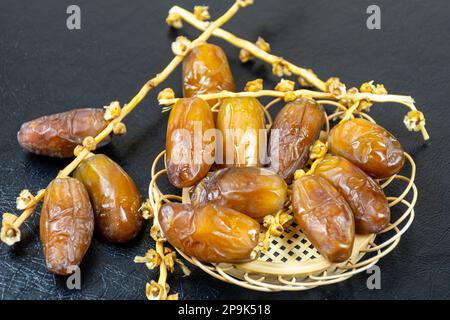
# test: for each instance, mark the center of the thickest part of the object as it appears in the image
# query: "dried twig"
(406, 100)
(414, 120)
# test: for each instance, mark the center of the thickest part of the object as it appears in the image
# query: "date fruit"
(256, 192)
(241, 123)
(367, 145)
(324, 216)
(58, 134)
(66, 225)
(189, 155)
(294, 130)
(206, 70)
(364, 195)
(209, 233)
(114, 196)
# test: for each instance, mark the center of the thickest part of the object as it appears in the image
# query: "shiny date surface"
(114, 196)
(209, 233)
(367, 145)
(364, 195)
(206, 70)
(189, 155)
(324, 216)
(294, 130)
(58, 134)
(241, 124)
(66, 225)
(256, 192)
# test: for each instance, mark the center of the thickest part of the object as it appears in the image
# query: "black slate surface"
(45, 68)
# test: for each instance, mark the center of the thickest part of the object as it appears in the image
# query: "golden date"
(364, 195)
(114, 196)
(294, 130)
(206, 70)
(189, 155)
(368, 146)
(66, 225)
(241, 123)
(256, 192)
(324, 216)
(58, 134)
(209, 233)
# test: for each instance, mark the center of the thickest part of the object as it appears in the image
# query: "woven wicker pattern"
(291, 245)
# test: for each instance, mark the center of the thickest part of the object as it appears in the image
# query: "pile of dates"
(100, 195)
(236, 175)
(218, 156)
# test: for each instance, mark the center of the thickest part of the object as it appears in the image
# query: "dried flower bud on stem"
(167, 93)
(263, 44)
(119, 129)
(10, 233)
(181, 46)
(414, 120)
(254, 86)
(202, 13)
(24, 199)
(174, 20)
(112, 111)
(285, 85)
(336, 87)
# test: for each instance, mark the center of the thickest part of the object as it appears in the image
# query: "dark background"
(45, 68)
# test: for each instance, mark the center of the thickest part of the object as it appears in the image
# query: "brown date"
(58, 134)
(241, 123)
(294, 130)
(256, 192)
(66, 225)
(324, 216)
(367, 145)
(187, 161)
(206, 70)
(209, 233)
(364, 195)
(114, 196)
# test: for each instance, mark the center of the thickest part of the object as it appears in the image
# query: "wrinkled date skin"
(364, 195)
(206, 70)
(57, 135)
(114, 196)
(256, 192)
(368, 146)
(240, 121)
(66, 225)
(209, 233)
(294, 130)
(187, 162)
(324, 216)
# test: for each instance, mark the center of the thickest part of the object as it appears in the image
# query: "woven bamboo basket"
(291, 262)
